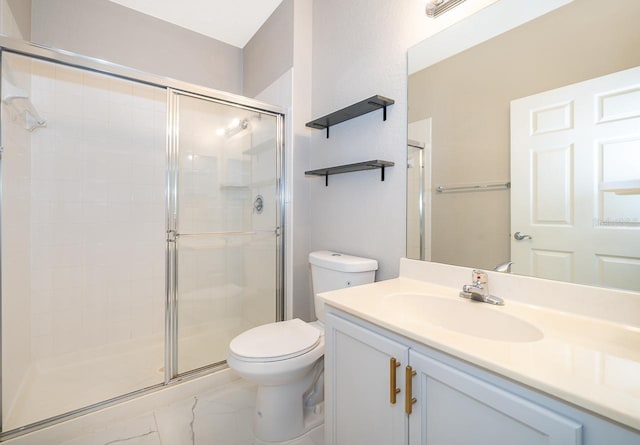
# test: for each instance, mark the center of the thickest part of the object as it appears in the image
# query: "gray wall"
(269, 53)
(277, 69)
(360, 49)
(105, 30)
(16, 18)
(298, 149)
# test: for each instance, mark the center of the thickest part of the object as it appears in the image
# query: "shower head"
(18, 99)
(236, 127)
(437, 7)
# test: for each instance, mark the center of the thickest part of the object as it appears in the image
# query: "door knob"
(258, 204)
(520, 236)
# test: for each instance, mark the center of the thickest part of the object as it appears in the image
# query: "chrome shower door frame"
(171, 86)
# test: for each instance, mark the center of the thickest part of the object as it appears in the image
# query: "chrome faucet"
(504, 267)
(479, 289)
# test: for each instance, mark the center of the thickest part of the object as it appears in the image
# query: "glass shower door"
(83, 234)
(225, 225)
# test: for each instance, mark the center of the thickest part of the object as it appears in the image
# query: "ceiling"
(231, 21)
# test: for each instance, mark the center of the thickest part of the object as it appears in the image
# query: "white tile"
(98, 83)
(69, 104)
(93, 124)
(42, 347)
(120, 91)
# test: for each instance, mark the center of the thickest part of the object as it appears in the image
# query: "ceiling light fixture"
(437, 7)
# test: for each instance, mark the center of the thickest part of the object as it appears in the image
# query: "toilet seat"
(275, 341)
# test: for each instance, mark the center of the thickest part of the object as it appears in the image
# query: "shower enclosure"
(141, 224)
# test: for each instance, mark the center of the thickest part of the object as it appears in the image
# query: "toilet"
(286, 359)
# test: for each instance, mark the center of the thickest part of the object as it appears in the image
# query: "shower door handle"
(220, 234)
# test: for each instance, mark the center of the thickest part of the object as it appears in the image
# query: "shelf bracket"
(384, 118)
(326, 177)
(382, 173)
(328, 131)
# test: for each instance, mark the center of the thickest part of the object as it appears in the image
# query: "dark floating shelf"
(348, 168)
(358, 109)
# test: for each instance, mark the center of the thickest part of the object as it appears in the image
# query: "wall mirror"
(524, 142)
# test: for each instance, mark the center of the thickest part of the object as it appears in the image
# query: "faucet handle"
(479, 290)
(479, 277)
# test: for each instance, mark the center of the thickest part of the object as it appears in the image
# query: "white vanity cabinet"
(453, 407)
(359, 384)
(441, 400)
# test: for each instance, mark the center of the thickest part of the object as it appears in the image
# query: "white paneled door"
(575, 198)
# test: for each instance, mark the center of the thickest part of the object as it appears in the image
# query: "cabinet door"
(358, 386)
(455, 408)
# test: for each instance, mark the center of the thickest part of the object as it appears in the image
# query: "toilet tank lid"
(341, 262)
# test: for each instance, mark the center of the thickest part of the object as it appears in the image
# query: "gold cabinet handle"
(409, 400)
(393, 390)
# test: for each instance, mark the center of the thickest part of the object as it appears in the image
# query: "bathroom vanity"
(409, 362)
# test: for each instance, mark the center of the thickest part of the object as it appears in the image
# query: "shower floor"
(81, 379)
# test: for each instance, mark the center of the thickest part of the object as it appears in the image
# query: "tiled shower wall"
(97, 211)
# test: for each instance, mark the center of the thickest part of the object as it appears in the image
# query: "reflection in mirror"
(533, 140)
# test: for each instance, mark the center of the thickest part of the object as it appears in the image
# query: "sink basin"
(464, 316)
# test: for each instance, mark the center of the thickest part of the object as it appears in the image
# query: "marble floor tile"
(139, 431)
(316, 435)
(313, 437)
(220, 416)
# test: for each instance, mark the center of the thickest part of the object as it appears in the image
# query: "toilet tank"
(333, 270)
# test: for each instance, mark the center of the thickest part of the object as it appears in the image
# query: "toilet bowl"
(286, 359)
(288, 372)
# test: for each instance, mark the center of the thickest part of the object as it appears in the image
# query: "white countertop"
(592, 363)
